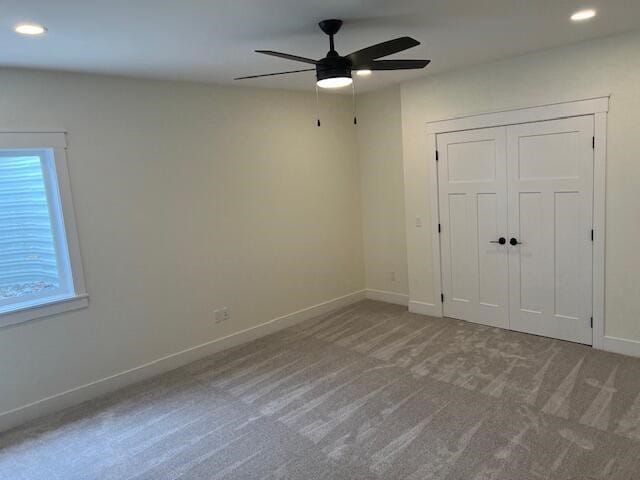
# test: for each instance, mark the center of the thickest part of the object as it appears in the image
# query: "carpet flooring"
(367, 392)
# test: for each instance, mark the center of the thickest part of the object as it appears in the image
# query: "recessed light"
(32, 29)
(583, 15)
(363, 73)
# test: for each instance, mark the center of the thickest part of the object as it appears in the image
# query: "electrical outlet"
(392, 276)
(221, 315)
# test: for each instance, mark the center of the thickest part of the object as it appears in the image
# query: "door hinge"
(593, 142)
(592, 234)
(591, 322)
(437, 156)
(442, 297)
(439, 228)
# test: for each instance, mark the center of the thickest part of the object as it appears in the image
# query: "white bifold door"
(516, 210)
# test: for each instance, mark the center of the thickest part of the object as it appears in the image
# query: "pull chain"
(353, 92)
(317, 105)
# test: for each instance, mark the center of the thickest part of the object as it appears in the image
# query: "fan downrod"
(331, 27)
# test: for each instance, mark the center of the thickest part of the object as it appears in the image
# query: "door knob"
(501, 241)
(514, 241)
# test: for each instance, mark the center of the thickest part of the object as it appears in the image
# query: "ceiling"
(213, 40)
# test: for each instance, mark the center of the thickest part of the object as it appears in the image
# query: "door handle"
(514, 241)
(501, 241)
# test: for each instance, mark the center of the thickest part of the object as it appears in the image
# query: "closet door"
(473, 216)
(550, 170)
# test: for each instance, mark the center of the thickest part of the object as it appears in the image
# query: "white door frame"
(598, 107)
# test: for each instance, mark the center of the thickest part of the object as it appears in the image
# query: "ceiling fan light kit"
(335, 82)
(334, 70)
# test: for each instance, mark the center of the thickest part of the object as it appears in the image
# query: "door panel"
(473, 212)
(550, 184)
(533, 273)
(489, 270)
(461, 256)
(568, 233)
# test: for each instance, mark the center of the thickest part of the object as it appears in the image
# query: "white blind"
(27, 248)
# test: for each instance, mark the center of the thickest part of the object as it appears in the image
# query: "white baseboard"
(389, 297)
(424, 308)
(20, 415)
(621, 345)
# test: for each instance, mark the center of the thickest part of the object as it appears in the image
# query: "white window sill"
(48, 306)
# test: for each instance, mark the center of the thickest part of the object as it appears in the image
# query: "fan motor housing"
(332, 67)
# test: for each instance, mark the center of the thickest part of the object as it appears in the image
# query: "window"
(40, 271)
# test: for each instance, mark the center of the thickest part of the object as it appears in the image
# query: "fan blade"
(382, 50)
(295, 58)
(395, 65)
(277, 73)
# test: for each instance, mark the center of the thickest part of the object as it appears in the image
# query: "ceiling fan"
(334, 70)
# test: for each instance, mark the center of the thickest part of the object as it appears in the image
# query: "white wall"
(590, 69)
(380, 152)
(188, 198)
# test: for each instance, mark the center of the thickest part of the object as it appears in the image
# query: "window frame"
(51, 147)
